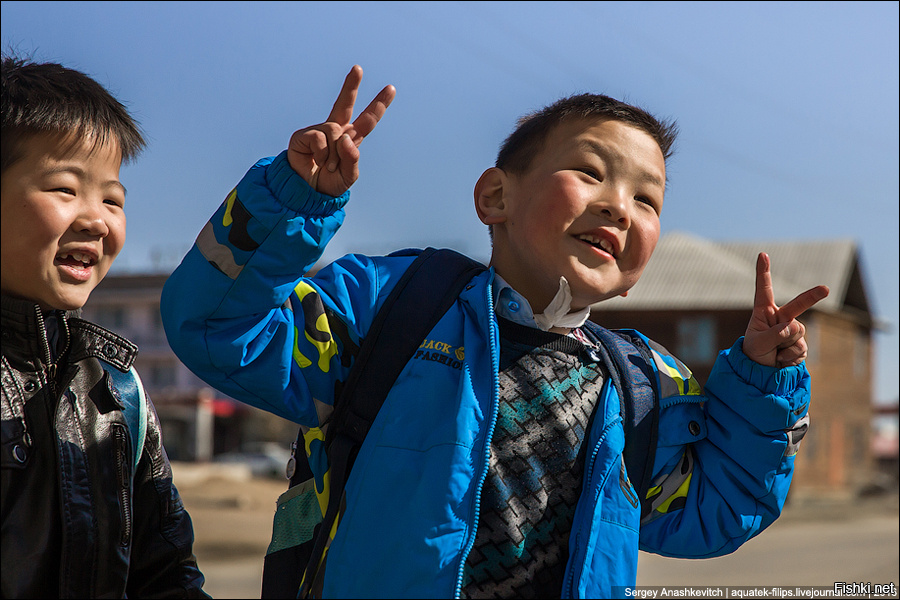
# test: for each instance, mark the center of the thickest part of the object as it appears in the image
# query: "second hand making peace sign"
(774, 337)
(327, 155)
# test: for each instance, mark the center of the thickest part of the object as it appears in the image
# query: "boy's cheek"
(116, 240)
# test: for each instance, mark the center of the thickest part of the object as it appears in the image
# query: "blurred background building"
(199, 423)
(694, 298)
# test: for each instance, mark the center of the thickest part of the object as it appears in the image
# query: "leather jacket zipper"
(123, 481)
(50, 367)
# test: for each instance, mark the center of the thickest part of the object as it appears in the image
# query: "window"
(860, 354)
(162, 375)
(157, 317)
(157, 333)
(112, 317)
(812, 341)
(697, 340)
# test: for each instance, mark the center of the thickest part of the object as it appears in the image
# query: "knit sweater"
(548, 390)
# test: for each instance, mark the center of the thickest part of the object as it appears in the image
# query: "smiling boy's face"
(63, 220)
(587, 209)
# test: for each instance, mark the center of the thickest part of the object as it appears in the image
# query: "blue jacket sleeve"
(725, 459)
(241, 316)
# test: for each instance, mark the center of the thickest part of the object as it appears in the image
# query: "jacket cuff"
(296, 194)
(788, 389)
(771, 380)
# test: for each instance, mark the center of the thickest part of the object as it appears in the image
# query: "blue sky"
(788, 110)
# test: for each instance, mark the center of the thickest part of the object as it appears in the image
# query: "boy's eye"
(591, 173)
(65, 191)
(112, 202)
(647, 201)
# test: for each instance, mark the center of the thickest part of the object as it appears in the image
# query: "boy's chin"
(65, 302)
(63, 306)
(592, 287)
(594, 297)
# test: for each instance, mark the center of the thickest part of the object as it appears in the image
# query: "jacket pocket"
(681, 423)
(294, 527)
(16, 445)
(603, 554)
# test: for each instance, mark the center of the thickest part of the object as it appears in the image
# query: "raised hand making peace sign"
(774, 337)
(327, 155)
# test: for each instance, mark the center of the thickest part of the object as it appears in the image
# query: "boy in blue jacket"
(498, 472)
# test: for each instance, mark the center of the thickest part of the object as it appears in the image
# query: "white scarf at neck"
(557, 312)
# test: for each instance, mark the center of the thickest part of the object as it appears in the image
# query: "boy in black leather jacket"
(88, 505)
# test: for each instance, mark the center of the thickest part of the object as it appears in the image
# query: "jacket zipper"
(122, 475)
(49, 367)
(487, 448)
(567, 591)
(47, 364)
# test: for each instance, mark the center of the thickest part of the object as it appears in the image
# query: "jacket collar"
(24, 330)
(513, 306)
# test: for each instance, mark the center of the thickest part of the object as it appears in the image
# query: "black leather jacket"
(78, 520)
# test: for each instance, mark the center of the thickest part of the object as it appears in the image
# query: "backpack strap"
(425, 291)
(129, 390)
(629, 363)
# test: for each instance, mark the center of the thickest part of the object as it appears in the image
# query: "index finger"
(802, 303)
(368, 119)
(342, 111)
(765, 296)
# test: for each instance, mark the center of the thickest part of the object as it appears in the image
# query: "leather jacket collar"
(25, 336)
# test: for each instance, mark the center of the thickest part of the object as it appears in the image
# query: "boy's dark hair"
(50, 98)
(533, 129)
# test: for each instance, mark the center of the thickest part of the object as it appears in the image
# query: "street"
(806, 547)
(792, 553)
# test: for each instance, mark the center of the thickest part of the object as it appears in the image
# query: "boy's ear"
(490, 201)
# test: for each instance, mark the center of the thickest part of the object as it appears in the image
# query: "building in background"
(696, 296)
(198, 422)
(886, 447)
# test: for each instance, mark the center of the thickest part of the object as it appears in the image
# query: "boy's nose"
(614, 206)
(90, 219)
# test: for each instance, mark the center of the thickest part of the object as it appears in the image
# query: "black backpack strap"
(423, 294)
(629, 363)
(420, 298)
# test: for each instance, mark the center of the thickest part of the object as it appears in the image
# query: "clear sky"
(788, 110)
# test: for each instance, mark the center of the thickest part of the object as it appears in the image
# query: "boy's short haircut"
(533, 129)
(50, 98)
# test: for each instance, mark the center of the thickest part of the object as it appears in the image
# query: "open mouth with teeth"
(597, 242)
(76, 260)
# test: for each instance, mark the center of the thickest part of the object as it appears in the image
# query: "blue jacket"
(240, 315)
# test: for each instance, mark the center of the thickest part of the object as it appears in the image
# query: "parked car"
(265, 459)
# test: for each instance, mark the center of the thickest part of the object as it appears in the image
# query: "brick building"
(696, 296)
(198, 422)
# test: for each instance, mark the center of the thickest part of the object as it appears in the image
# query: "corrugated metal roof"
(808, 264)
(688, 272)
